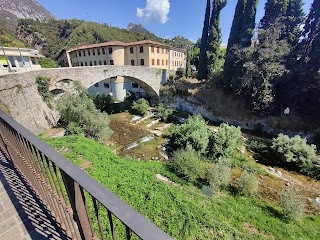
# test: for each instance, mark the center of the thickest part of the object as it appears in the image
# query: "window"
(152, 48)
(158, 49)
(141, 49)
(162, 62)
(132, 62)
(98, 50)
(110, 50)
(166, 62)
(85, 63)
(134, 85)
(166, 51)
(111, 62)
(93, 52)
(131, 49)
(84, 53)
(142, 62)
(162, 50)
(81, 64)
(152, 62)
(100, 62)
(158, 61)
(79, 54)
(103, 51)
(90, 63)
(95, 63)
(89, 53)
(105, 62)
(96, 84)
(106, 85)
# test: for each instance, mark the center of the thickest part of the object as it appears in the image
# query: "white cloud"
(156, 11)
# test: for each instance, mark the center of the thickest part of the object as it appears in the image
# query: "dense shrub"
(297, 152)
(48, 63)
(164, 112)
(73, 128)
(247, 184)
(261, 147)
(78, 110)
(180, 72)
(104, 102)
(194, 133)
(188, 163)
(292, 204)
(219, 176)
(225, 142)
(140, 107)
(43, 84)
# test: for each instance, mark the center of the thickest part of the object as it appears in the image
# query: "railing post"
(79, 208)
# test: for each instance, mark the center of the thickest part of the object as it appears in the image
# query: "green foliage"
(164, 112)
(141, 106)
(171, 91)
(103, 102)
(292, 204)
(180, 72)
(48, 63)
(203, 61)
(225, 142)
(261, 147)
(43, 84)
(247, 184)
(219, 176)
(78, 110)
(188, 163)
(73, 128)
(188, 213)
(297, 152)
(8, 37)
(194, 133)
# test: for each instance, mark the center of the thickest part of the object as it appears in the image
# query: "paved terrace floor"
(22, 216)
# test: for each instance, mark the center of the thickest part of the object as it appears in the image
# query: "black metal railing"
(84, 208)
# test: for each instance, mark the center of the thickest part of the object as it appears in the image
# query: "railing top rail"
(141, 226)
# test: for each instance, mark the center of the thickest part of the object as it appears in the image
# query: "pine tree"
(202, 67)
(214, 38)
(312, 39)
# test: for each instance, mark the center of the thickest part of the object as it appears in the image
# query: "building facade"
(142, 53)
(14, 59)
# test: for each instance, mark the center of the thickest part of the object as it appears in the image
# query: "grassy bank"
(182, 210)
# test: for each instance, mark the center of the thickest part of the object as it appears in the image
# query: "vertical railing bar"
(111, 225)
(128, 233)
(98, 217)
(63, 198)
(86, 209)
(60, 204)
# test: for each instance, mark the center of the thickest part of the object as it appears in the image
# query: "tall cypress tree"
(240, 36)
(273, 10)
(312, 39)
(214, 38)
(202, 67)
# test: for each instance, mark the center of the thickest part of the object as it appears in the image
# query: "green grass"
(182, 211)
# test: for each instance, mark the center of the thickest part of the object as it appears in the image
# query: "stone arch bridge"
(148, 78)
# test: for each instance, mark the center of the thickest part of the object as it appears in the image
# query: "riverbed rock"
(279, 173)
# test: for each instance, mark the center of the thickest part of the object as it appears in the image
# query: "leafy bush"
(261, 147)
(78, 110)
(140, 107)
(73, 128)
(292, 204)
(296, 151)
(48, 63)
(225, 142)
(43, 84)
(180, 72)
(104, 102)
(194, 133)
(188, 163)
(164, 112)
(219, 176)
(247, 184)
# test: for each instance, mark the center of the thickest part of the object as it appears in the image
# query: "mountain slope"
(12, 10)
(132, 27)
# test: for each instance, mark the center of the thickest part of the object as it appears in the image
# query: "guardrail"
(84, 208)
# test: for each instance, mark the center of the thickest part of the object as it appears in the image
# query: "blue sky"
(165, 18)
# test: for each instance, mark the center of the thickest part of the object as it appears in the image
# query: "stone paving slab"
(22, 216)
